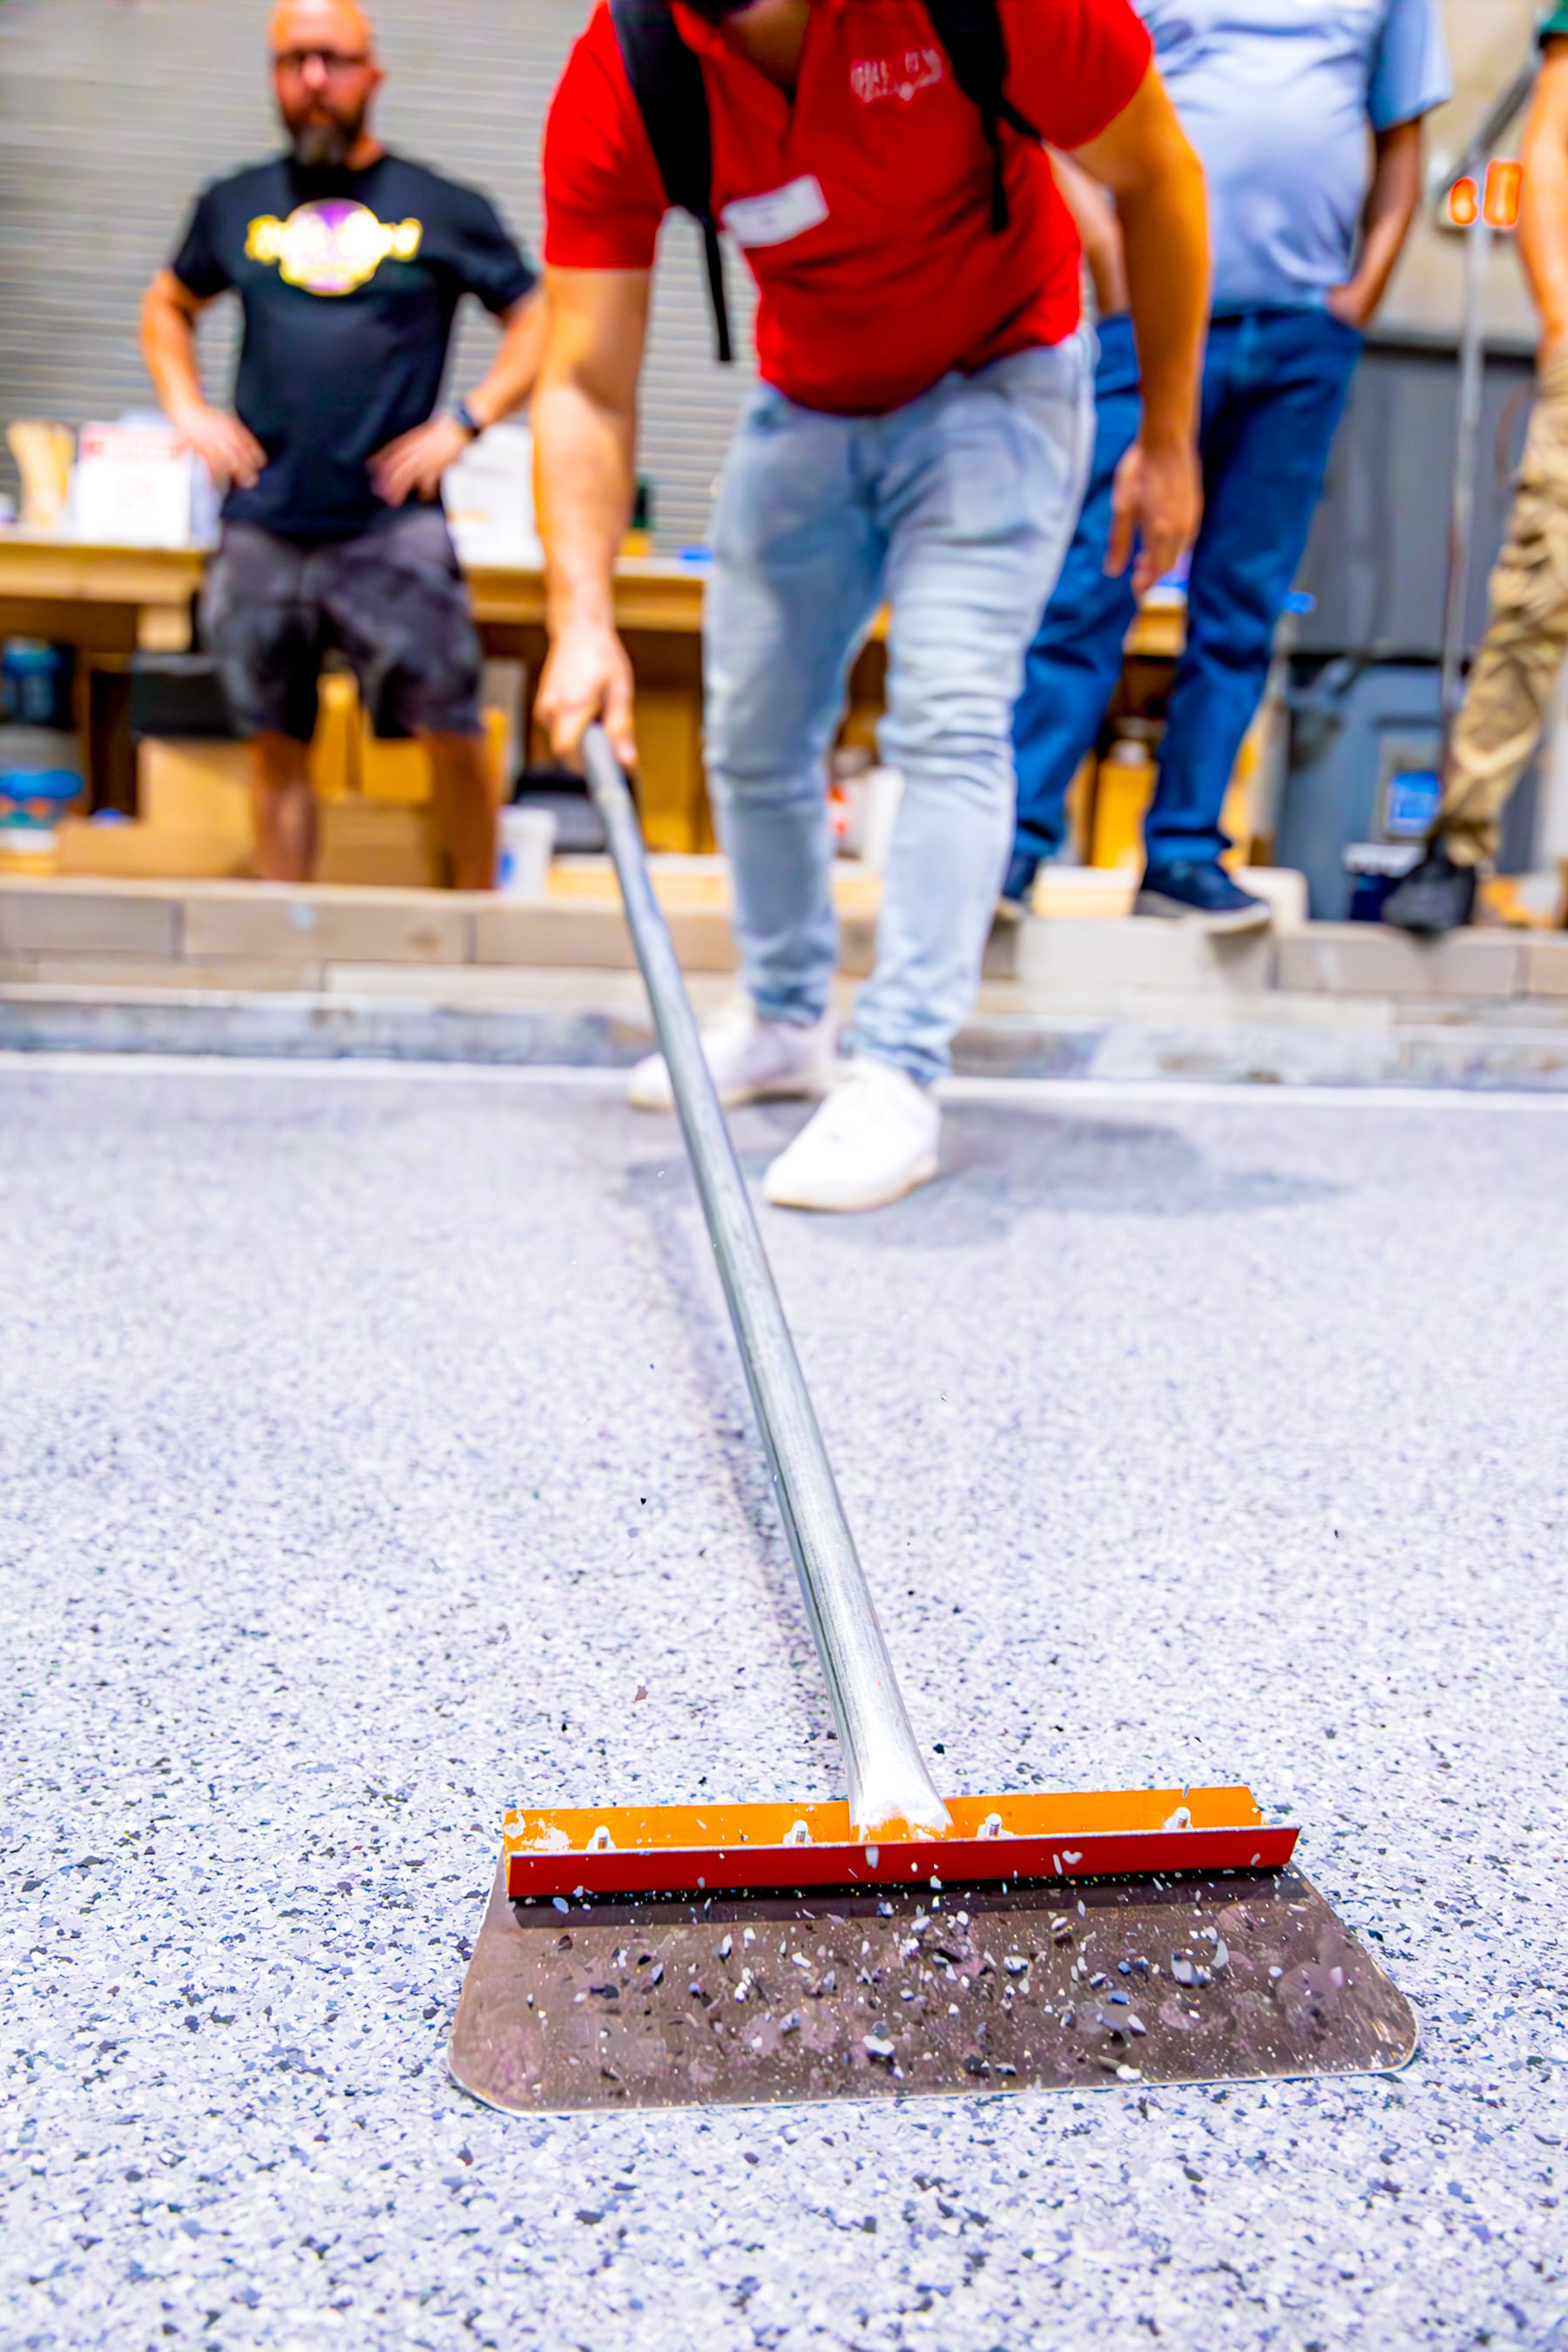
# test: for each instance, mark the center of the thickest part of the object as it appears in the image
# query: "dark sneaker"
(1017, 897)
(1436, 897)
(1204, 894)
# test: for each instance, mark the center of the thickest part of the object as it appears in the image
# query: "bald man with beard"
(349, 263)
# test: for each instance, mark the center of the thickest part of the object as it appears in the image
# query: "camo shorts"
(393, 602)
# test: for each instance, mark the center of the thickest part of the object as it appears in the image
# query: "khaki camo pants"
(1516, 670)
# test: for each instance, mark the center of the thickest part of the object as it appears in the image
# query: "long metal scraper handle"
(888, 1783)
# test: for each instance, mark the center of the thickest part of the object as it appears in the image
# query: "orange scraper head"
(694, 1849)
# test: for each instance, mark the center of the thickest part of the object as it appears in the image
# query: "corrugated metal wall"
(113, 111)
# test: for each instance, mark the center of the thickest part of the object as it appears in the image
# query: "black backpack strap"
(971, 32)
(666, 80)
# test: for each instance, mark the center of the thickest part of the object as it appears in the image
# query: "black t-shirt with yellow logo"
(350, 282)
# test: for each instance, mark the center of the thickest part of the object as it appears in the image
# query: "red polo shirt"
(864, 205)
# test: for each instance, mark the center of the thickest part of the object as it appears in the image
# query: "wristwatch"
(468, 420)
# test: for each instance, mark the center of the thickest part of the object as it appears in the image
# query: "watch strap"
(468, 420)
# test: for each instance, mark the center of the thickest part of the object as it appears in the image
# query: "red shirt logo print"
(871, 78)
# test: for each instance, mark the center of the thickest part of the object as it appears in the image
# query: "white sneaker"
(875, 1139)
(752, 1060)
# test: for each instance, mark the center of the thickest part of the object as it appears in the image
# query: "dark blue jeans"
(1275, 383)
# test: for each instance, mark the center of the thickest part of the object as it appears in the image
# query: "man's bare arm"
(508, 381)
(169, 315)
(1099, 234)
(585, 431)
(1390, 208)
(414, 464)
(1543, 214)
(1147, 161)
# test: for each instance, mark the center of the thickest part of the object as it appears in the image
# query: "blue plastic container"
(37, 795)
(36, 683)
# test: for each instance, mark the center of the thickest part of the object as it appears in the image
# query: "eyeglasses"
(332, 62)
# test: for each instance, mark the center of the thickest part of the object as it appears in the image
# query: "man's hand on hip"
(412, 465)
(1353, 304)
(1158, 502)
(228, 450)
(587, 677)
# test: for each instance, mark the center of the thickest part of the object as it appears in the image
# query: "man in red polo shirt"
(921, 436)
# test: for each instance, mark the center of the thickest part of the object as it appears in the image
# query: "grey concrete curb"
(1454, 1053)
(310, 1028)
(1267, 1053)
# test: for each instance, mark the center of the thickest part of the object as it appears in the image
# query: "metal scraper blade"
(793, 1997)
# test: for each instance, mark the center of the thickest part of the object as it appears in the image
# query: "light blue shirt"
(1278, 97)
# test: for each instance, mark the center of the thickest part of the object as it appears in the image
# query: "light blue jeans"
(957, 511)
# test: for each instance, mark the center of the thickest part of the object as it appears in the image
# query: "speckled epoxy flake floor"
(371, 1441)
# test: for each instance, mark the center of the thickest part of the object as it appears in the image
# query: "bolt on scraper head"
(712, 1849)
(748, 1954)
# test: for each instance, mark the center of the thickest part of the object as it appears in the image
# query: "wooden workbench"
(128, 599)
(125, 599)
(113, 602)
(100, 599)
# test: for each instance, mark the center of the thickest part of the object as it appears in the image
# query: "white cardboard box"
(132, 486)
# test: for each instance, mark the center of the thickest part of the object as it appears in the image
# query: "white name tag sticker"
(782, 214)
